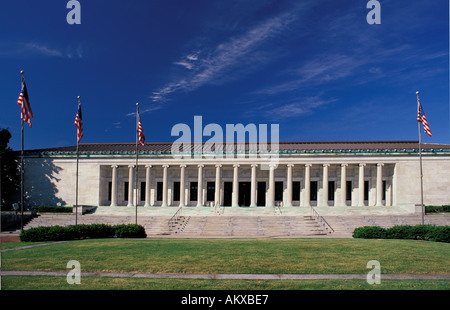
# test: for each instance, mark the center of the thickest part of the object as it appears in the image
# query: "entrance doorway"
(244, 194)
(227, 192)
(261, 197)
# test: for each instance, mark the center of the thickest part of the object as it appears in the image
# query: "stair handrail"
(218, 209)
(321, 218)
(174, 218)
(277, 208)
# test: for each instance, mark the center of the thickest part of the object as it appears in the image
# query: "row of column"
(235, 191)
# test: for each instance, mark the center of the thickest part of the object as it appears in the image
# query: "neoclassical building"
(326, 174)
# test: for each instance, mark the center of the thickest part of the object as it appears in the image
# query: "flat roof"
(283, 148)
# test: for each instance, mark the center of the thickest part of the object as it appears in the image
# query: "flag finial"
(417, 92)
(137, 103)
(78, 97)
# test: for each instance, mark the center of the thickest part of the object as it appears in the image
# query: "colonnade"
(270, 201)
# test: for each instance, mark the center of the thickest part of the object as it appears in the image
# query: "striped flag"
(141, 136)
(422, 118)
(79, 123)
(25, 111)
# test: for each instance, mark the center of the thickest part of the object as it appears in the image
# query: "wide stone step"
(236, 222)
(252, 226)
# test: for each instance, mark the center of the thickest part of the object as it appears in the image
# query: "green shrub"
(441, 234)
(129, 231)
(45, 233)
(437, 209)
(82, 231)
(52, 209)
(398, 232)
(369, 232)
(422, 232)
(418, 232)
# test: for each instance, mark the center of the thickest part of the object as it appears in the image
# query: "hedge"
(82, 231)
(437, 209)
(54, 209)
(129, 231)
(417, 232)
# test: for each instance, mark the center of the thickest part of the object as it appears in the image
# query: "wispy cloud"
(210, 66)
(297, 107)
(39, 49)
(153, 107)
(322, 69)
(188, 61)
(75, 52)
(43, 49)
(185, 64)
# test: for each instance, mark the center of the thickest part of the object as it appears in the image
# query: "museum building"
(294, 174)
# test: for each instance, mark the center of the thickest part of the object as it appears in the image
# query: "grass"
(235, 256)
(288, 256)
(93, 283)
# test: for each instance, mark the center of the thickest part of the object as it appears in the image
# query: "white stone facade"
(331, 178)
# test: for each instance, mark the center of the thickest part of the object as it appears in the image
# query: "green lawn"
(288, 256)
(106, 283)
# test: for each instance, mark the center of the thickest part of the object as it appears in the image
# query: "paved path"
(30, 246)
(232, 276)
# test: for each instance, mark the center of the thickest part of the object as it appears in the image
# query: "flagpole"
(21, 167)
(76, 183)
(420, 158)
(137, 143)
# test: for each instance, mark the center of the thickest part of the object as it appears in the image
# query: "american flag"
(422, 118)
(140, 132)
(79, 123)
(25, 111)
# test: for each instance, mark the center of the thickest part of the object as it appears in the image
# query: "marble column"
(253, 186)
(114, 186)
(147, 185)
(361, 185)
(343, 184)
(164, 193)
(217, 186)
(325, 185)
(182, 184)
(200, 186)
(235, 194)
(130, 185)
(271, 196)
(289, 186)
(307, 197)
(379, 185)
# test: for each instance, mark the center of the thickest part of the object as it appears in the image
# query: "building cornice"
(284, 149)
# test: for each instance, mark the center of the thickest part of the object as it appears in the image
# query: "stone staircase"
(210, 225)
(199, 226)
(249, 227)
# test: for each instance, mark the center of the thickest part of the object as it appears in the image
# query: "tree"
(9, 172)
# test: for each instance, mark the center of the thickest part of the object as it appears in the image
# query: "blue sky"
(316, 68)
